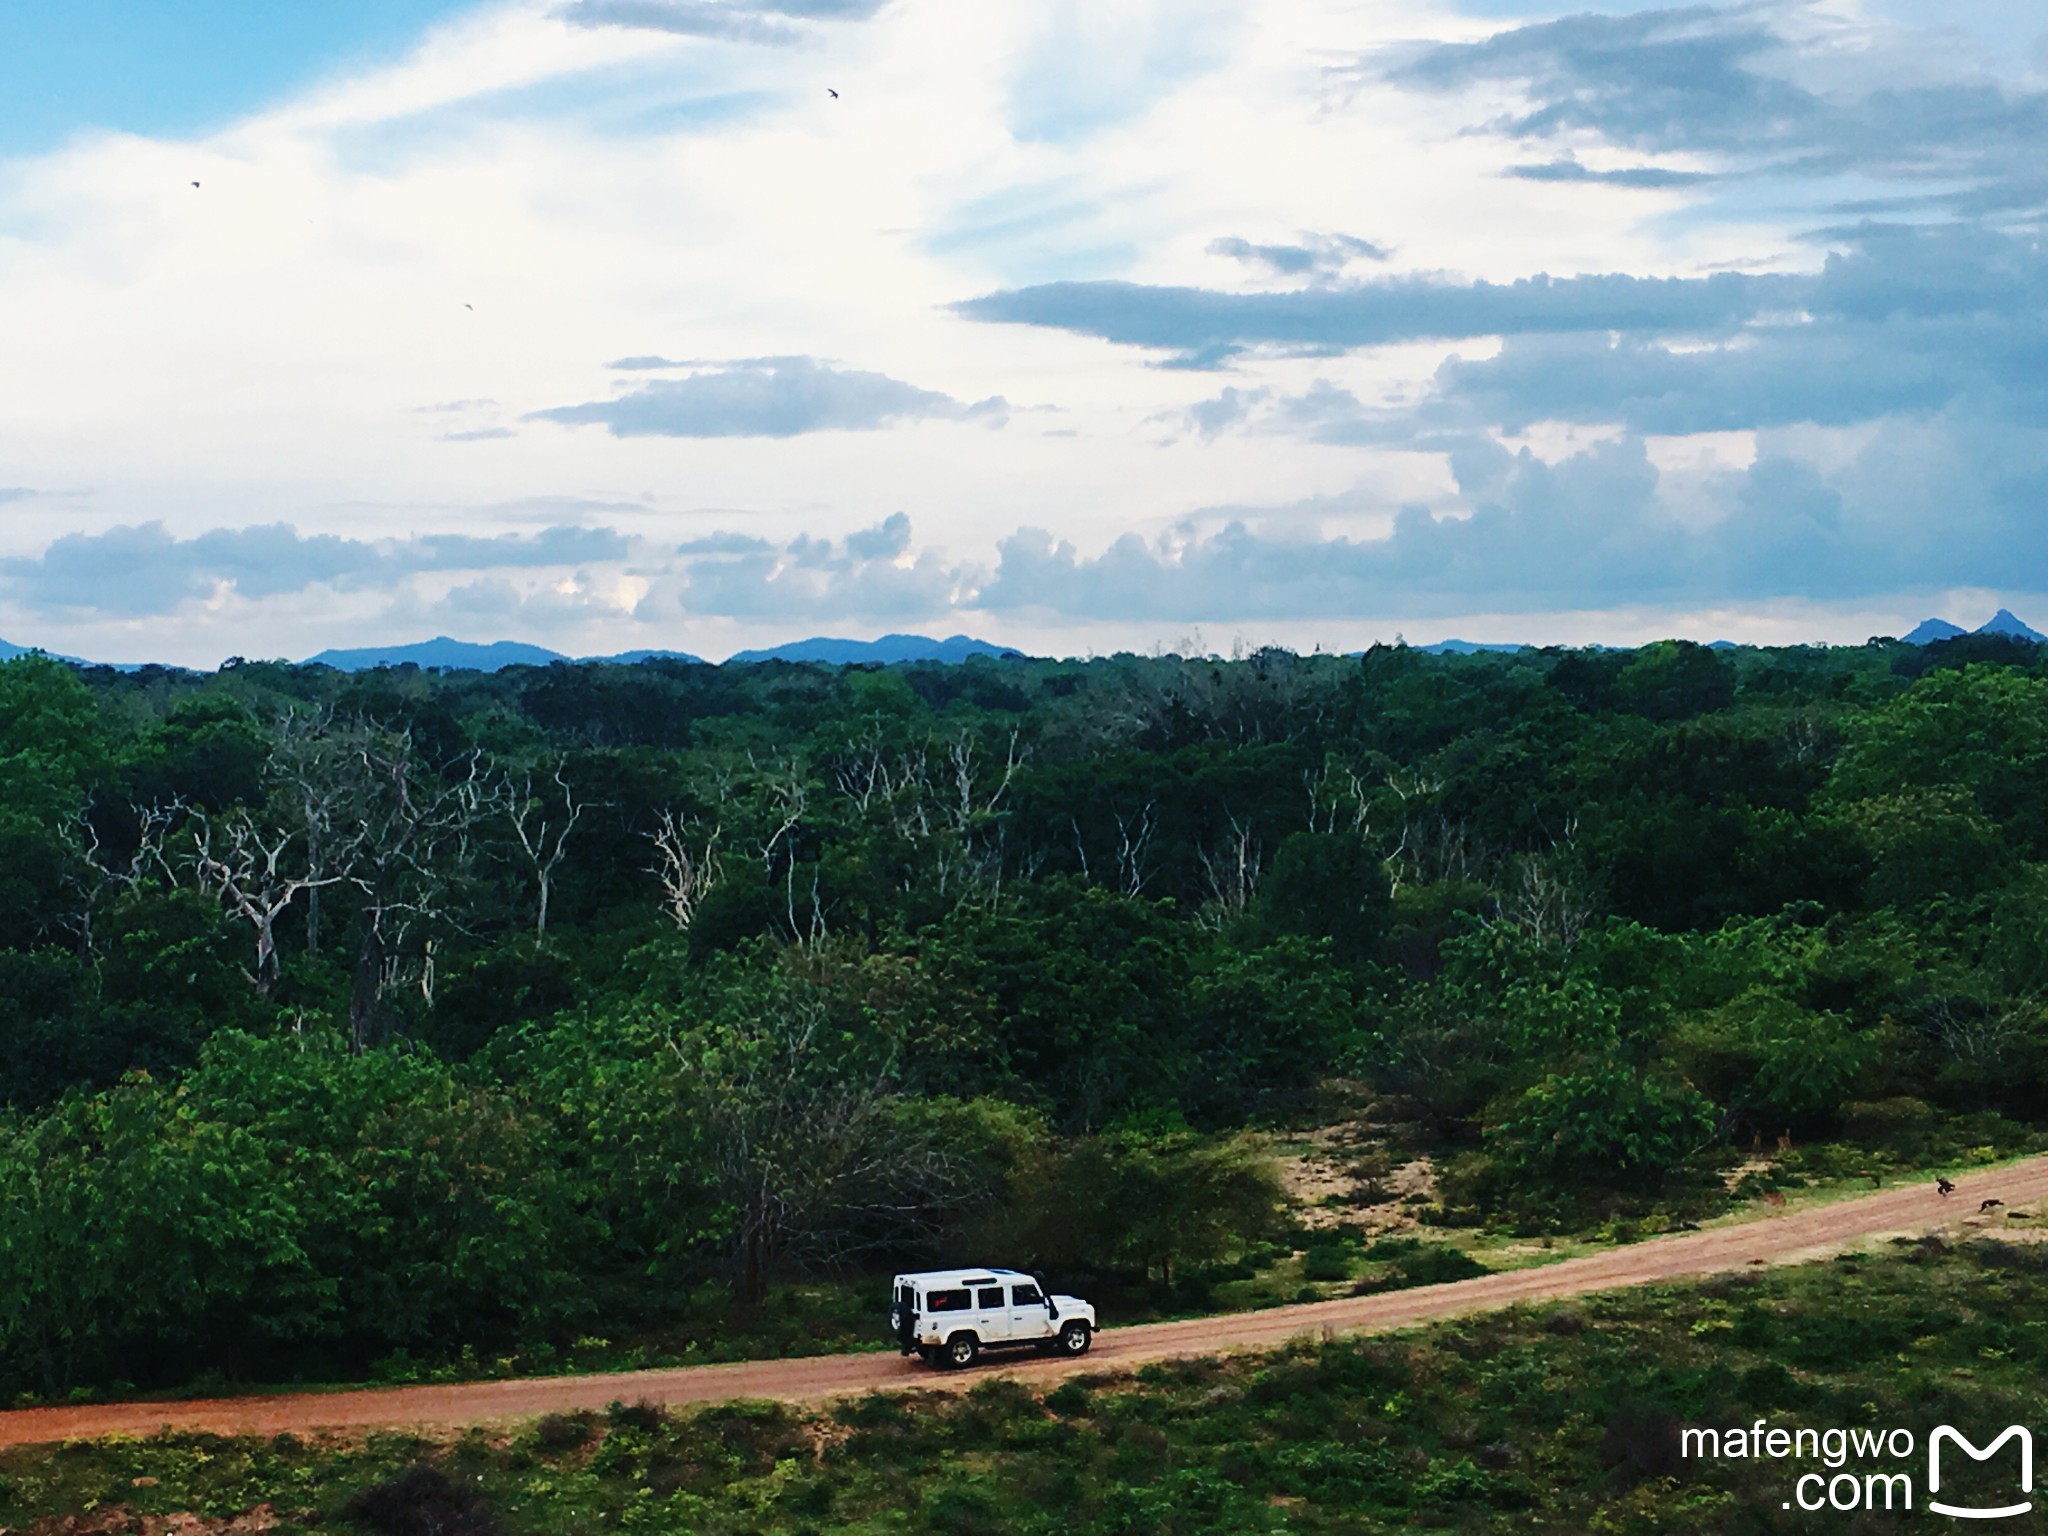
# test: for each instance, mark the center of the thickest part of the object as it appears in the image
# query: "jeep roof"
(948, 1279)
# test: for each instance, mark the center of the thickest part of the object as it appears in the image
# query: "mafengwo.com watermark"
(1852, 1470)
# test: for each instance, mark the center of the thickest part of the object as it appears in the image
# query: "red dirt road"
(1821, 1229)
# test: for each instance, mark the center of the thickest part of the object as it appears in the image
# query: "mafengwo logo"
(1872, 1469)
(1944, 1435)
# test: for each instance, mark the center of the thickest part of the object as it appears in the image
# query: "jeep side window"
(992, 1298)
(948, 1301)
(1025, 1296)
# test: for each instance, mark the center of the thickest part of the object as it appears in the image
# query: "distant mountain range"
(1470, 647)
(463, 655)
(468, 656)
(888, 649)
(453, 655)
(1927, 631)
(9, 652)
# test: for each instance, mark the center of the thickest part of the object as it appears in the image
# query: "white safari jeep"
(949, 1316)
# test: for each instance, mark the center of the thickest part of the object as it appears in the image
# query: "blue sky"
(135, 66)
(603, 324)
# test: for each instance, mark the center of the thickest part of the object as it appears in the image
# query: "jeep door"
(991, 1314)
(1027, 1315)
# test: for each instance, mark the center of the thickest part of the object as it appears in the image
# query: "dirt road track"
(1795, 1235)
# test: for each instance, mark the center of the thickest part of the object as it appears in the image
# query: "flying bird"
(195, 183)
(828, 91)
(470, 307)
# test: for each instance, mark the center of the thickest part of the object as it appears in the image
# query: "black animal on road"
(1989, 1205)
(1943, 1187)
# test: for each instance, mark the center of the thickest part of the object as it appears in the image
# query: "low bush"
(562, 1431)
(1326, 1264)
(422, 1501)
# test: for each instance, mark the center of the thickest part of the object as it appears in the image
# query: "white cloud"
(489, 221)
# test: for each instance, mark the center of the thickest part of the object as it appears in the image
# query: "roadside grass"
(1558, 1418)
(834, 1315)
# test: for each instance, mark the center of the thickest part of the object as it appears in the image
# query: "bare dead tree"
(414, 841)
(789, 793)
(686, 866)
(258, 868)
(891, 784)
(314, 764)
(542, 823)
(1545, 902)
(867, 773)
(1804, 738)
(942, 799)
(974, 800)
(815, 931)
(969, 858)
(1134, 842)
(1432, 847)
(1436, 848)
(1338, 800)
(1977, 1029)
(103, 873)
(1031, 861)
(1232, 871)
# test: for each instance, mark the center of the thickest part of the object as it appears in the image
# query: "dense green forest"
(349, 1014)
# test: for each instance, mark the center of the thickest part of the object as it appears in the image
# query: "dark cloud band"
(743, 21)
(1190, 320)
(145, 569)
(768, 397)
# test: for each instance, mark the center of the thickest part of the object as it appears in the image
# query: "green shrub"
(1608, 1123)
(1431, 1264)
(1070, 1400)
(1393, 1247)
(562, 1431)
(422, 1501)
(1325, 1264)
(1437, 1264)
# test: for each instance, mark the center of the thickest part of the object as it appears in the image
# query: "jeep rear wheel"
(961, 1350)
(1075, 1337)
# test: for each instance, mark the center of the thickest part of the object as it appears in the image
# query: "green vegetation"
(453, 1022)
(1561, 1419)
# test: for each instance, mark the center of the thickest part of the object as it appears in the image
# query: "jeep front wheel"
(962, 1349)
(1075, 1338)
